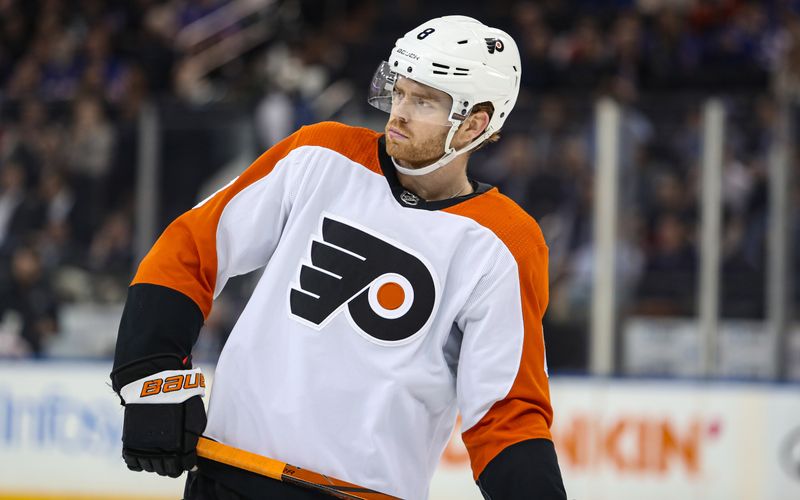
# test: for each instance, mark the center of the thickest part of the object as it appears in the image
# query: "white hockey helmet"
(462, 57)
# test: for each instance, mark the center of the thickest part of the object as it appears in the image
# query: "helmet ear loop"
(448, 147)
(455, 124)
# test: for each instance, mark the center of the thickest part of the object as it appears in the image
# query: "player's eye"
(423, 102)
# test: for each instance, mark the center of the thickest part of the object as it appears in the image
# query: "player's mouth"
(395, 134)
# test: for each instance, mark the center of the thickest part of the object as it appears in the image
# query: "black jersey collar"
(409, 199)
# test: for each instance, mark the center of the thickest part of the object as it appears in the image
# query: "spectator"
(628, 47)
(90, 148)
(787, 67)
(673, 54)
(550, 126)
(111, 248)
(91, 139)
(24, 141)
(60, 67)
(55, 205)
(14, 37)
(535, 39)
(104, 72)
(24, 80)
(27, 293)
(583, 56)
(510, 166)
(12, 197)
(670, 270)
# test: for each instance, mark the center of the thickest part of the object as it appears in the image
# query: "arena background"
(653, 140)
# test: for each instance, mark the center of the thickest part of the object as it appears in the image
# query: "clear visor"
(407, 99)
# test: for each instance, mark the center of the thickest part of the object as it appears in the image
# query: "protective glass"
(408, 99)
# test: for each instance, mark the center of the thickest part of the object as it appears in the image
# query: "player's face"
(418, 125)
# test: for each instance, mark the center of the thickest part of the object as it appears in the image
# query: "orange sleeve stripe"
(185, 256)
(525, 413)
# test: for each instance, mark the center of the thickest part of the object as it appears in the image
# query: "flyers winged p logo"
(387, 291)
(494, 44)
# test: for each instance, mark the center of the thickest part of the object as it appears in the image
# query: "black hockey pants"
(215, 481)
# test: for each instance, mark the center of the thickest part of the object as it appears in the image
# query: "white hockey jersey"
(378, 317)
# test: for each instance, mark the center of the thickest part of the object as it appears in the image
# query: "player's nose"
(399, 112)
(398, 118)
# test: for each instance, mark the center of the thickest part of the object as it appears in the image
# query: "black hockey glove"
(164, 413)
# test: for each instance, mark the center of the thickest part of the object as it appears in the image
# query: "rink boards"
(60, 427)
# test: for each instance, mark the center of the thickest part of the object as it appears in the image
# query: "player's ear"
(473, 126)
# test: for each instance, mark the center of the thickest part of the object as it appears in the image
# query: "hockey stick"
(281, 471)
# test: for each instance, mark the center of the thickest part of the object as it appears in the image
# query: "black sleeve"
(524, 471)
(156, 321)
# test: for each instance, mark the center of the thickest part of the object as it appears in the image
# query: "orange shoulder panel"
(185, 256)
(525, 413)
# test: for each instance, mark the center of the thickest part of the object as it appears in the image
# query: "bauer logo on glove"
(169, 386)
(173, 386)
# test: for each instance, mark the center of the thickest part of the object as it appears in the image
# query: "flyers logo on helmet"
(494, 44)
(388, 292)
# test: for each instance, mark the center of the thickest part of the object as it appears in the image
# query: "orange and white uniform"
(379, 316)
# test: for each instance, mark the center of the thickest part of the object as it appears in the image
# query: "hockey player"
(396, 293)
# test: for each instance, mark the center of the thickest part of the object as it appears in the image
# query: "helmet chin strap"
(449, 155)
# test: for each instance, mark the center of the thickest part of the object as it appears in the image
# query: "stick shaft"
(281, 471)
(240, 459)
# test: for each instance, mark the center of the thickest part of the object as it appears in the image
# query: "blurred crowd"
(74, 77)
